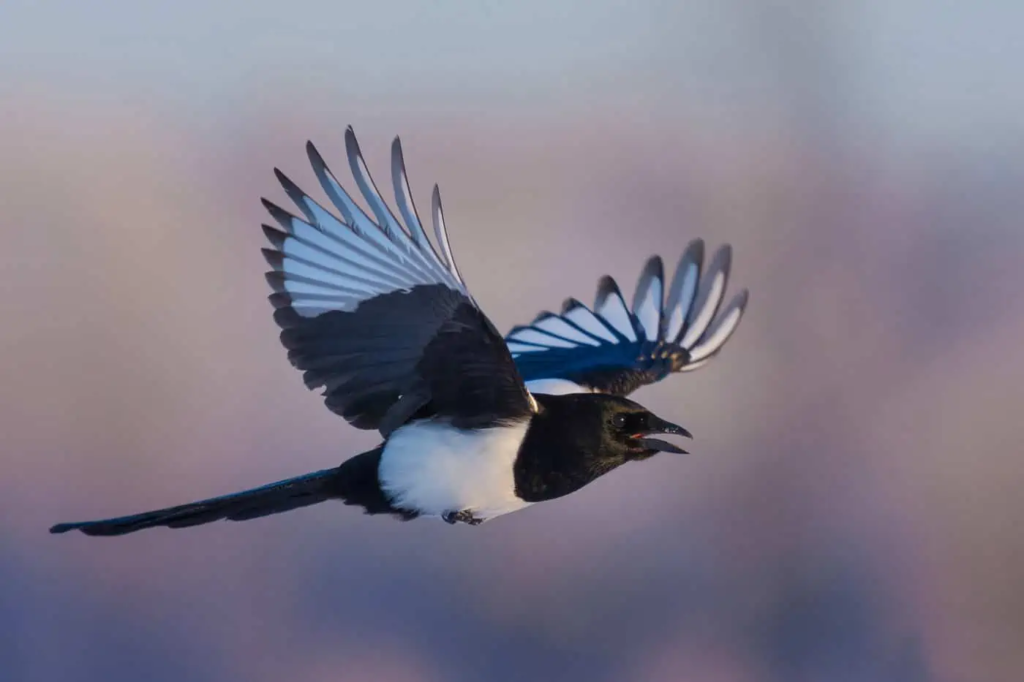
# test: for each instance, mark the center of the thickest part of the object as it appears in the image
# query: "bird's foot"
(464, 516)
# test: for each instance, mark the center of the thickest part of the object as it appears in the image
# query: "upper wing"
(371, 312)
(613, 349)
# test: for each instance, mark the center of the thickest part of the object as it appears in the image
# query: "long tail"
(354, 482)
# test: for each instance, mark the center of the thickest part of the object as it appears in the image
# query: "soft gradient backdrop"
(852, 510)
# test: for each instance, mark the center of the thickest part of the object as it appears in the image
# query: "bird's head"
(607, 428)
(630, 429)
(577, 437)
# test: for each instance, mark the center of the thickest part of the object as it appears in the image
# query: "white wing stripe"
(678, 313)
(326, 262)
(612, 308)
(368, 233)
(586, 320)
(515, 348)
(315, 309)
(403, 195)
(296, 265)
(442, 233)
(707, 310)
(709, 297)
(683, 289)
(558, 327)
(648, 298)
(343, 234)
(389, 225)
(297, 285)
(649, 310)
(530, 335)
(721, 330)
(346, 247)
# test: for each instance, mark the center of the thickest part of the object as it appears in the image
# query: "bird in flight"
(474, 425)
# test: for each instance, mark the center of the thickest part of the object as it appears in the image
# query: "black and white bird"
(474, 425)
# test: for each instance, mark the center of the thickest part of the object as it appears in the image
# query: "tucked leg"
(463, 516)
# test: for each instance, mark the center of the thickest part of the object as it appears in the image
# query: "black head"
(579, 437)
(628, 428)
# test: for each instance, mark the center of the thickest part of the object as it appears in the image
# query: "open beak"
(656, 425)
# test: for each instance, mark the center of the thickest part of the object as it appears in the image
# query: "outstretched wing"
(615, 349)
(376, 316)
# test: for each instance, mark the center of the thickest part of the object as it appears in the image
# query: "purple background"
(851, 511)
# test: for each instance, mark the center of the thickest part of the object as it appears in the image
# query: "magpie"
(474, 425)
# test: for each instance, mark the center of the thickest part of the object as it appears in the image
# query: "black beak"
(656, 425)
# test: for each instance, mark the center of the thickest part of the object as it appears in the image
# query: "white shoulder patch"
(555, 387)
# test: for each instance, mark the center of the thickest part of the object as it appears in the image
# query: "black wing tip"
(397, 161)
(316, 160)
(722, 260)
(542, 315)
(275, 236)
(694, 252)
(570, 304)
(351, 143)
(293, 191)
(653, 267)
(606, 286)
(286, 318)
(275, 259)
(63, 528)
(276, 281)
(280, 215)
(280, 300)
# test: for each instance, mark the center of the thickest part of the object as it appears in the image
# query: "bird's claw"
(463, 516)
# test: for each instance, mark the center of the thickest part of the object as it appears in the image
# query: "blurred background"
(851, 509)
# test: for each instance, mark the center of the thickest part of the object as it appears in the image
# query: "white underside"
(555, 387)
(432, 468)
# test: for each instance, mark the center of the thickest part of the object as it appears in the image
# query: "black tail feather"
(354, 482)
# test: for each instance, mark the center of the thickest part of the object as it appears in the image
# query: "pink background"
(852, 507)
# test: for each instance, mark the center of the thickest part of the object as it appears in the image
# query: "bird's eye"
(619, 421)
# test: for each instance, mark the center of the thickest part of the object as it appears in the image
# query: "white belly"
(431, 468)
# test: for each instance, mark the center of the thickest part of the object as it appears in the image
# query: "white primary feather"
(648, 299)
(335, 263)
(540, 338)
(555, 325)
(585, 319)
(683, 289)
(612, 308)
(431, 467)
